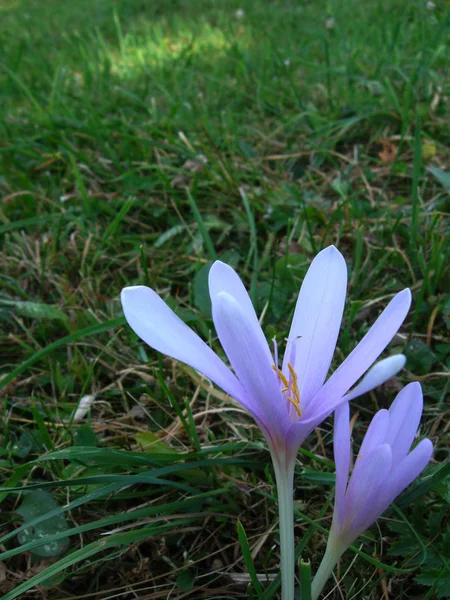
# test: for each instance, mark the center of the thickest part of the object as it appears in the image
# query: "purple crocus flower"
(384, 467)
(289, 401)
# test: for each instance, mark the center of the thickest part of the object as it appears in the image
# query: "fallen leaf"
(389, 151)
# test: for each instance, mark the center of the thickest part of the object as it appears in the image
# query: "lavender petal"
(404, 418)
(223, 278)
(240, 340)
(316, 322)
(342, 456)
(405, 472)
(367, 351)
(155, 323)
(375, 434)
(364, 489)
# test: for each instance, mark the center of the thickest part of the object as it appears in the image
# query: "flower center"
(290, 386)
(290, 389)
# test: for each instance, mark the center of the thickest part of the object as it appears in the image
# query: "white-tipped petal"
(381, 372)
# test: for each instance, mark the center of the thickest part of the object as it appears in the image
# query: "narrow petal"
(409, 469)
(404, 474)
(375, 435)
(364, 488)
(367, 351)
(405, 413)
(377, 375)
(223, 278)
(316, 322)
(342, 452)
(249, 360)
(154, 322)
(314, 414)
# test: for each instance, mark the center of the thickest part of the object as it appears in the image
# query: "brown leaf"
(389, 151)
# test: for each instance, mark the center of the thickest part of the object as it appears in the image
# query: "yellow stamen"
(291, 386)
(295, 405)
(283, 379)
(295, 389)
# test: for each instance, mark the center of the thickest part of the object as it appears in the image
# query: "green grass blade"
(305, 579)
(68, 339)
(201, 226)
(248, 559)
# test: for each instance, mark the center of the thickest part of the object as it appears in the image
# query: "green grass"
(138, 142)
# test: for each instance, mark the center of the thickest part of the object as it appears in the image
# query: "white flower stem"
(284, 475)
(333, 553)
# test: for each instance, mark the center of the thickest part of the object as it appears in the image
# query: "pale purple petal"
(377, 375)
(375, 436)
(223, 278)
(405, 472)
(316, 322)
(363, 491)
(154, 322)
(240, 340)
(367, 351)
(404, 418)
(402, 476)
(342, 452)
(298, 433)
(310, 419)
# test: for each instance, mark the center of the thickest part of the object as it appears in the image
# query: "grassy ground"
(138, 142)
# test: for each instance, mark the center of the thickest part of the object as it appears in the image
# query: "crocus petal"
(375, 435)
(154, 322)
(403, 475)
(368, 349)
(342, 452)
(404, 418)
(316, 322)
(405, 472)
(377, 375)
(298, 433)
(310, 420)
(363, 491)
(249, 360)
(222, 278)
